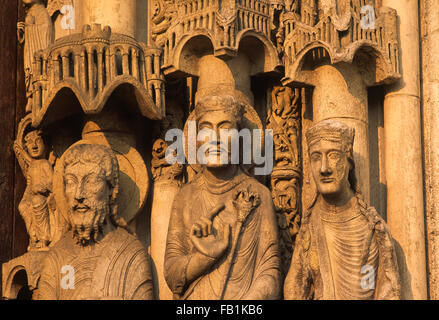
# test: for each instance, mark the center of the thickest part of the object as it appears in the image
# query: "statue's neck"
(220, 175)
(337, 201)
(107, 228)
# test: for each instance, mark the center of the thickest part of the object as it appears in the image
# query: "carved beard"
(87, 226)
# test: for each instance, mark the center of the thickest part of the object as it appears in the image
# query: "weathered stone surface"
(344, 249)
(222, 240)
(126, 68)
(107, 260)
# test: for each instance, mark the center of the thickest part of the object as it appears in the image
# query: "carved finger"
(203, 226)
(196, 230)
(208, 224)
(214, 212)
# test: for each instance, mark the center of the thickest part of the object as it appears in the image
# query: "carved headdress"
(332, 130)
(225, 103)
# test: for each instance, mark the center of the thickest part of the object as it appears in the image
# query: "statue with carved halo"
(222, 239)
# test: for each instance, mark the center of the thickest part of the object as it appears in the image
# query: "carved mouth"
(327, 180)
(81, 209)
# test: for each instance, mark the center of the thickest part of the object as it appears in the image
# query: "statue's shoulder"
(374, 219)
(121, 235)
(62, 249)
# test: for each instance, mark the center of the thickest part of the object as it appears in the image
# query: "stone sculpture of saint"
(344, 250)
(36, 32)
(37, 203)
(99, 258)
(222, 240)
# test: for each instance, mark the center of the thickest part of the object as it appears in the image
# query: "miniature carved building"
(125, 74)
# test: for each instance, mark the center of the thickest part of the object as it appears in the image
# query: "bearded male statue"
(99, 258)
(344, 250)
(222, 237)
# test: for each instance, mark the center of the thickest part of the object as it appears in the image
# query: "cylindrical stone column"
(164, 193)
(340, 94)
(120, 15)
(403, 157)
(430, 89)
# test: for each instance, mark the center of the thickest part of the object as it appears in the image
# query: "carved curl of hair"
(104, 157)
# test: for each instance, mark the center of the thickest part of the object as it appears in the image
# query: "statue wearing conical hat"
(222, 240)
(344, 250)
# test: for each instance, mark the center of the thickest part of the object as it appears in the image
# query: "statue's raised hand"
(20, 31)
(245, 201)
(205, 240)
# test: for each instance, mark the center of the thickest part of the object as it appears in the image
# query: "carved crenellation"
(224, 24)
(341, 36)
(92, 64)
(234, 40)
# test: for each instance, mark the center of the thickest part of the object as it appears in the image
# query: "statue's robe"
(256, 271)
(34, 206)
(116, 268)
(343, 254)
(38, 33)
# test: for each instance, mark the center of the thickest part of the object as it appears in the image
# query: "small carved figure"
(222, 239)
(161, 169)
(36, 32)
(37, 203)
(344, 249)
(108, 262)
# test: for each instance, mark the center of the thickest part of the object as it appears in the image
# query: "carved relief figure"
(284, 120)
(108, 261)
(160, 167)
(222, 239)
(344, 249)
(37, 203)
(36, 32)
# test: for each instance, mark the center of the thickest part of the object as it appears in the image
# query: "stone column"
(430, 89)
(403, 156)
(120, 15)
(341, 94)
(164, 193)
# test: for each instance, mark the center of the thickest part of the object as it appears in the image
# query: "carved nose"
(325, 170)
(79, 195)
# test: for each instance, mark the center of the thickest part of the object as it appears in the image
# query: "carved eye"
(335, 155)
(69, 182)
(316, 157)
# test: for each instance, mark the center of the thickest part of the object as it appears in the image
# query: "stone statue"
(222, 240)
(36, 32)
(37, 203)
(107, 262)
(344, 249)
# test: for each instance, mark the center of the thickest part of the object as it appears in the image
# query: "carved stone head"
(34, 143)
(91, 185)
(330, 147)
(218, 113)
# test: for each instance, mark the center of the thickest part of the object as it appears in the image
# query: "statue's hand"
(20, 31)
(204, 239)
(245, 201)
